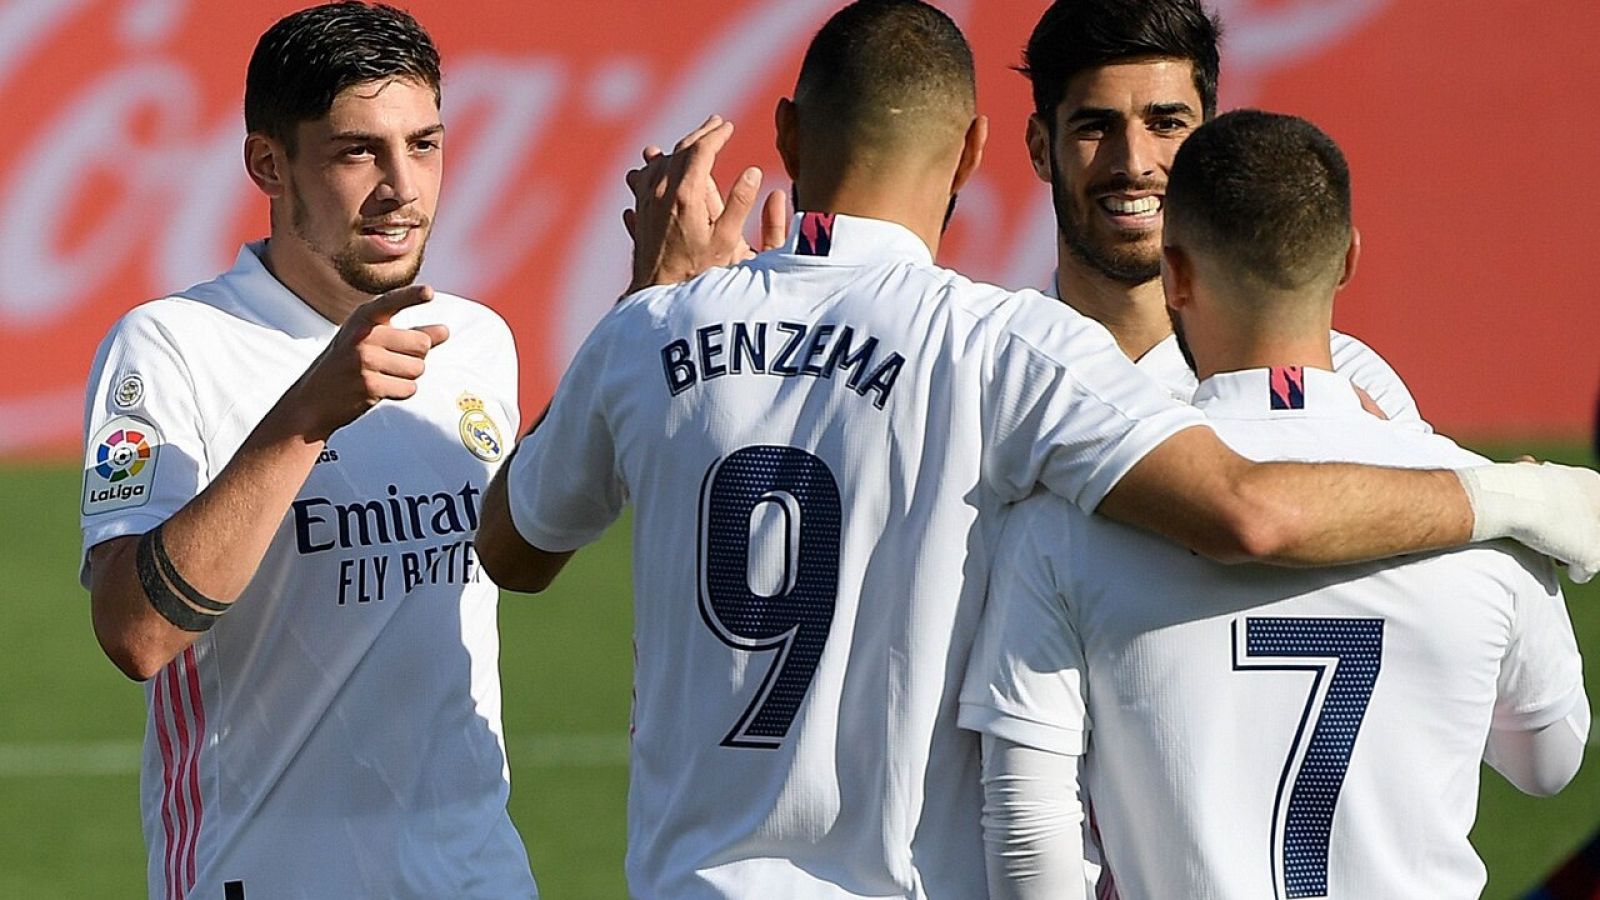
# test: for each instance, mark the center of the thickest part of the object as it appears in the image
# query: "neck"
(1136, 315)
(1258, 351)
(309, 278)
(907, 195)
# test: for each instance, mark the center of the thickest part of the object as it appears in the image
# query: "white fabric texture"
(1033, 823)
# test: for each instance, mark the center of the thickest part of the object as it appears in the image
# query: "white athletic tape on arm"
(1550, 508)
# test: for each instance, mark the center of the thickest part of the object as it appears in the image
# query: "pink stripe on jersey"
(164, 740)
(197, 704)
(180, 803)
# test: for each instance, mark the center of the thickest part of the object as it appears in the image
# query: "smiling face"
(1106, 157)
(362, 185)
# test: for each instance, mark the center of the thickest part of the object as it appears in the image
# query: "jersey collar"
(257, 290)
(1294, 392)
(841, 240)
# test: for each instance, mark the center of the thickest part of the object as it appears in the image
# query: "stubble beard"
(1125, 262)
(347, 262)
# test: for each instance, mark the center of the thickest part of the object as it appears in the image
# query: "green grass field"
(70, 725)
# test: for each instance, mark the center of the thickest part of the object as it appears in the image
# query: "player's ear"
(266, 162)
(1038, 137)
(786, 120)
(1351, 257)
(971, 152)
(1177, 276)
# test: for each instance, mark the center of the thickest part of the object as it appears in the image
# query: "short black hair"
(305, 59)
(1270, 191)
(1074, 36)
(875, 55)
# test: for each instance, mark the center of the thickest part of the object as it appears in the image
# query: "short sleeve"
(1541, 676)
(563, 484)
(1026, 678)
(1066, 409)
(1373, 374)
(144, 450)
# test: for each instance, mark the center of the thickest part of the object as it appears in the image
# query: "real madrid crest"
(478, 431)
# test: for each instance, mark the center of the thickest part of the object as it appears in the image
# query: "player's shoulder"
(982, 299)
(1349, 343)
(175, 320)
(723, 288)
(461, 315)
(1419, 449)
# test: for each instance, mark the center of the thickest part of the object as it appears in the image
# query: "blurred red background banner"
(121, 176)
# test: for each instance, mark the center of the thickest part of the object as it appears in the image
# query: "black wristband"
(169, 571)
(162, 598)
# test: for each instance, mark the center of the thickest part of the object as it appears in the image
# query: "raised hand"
(681, 223)
(367, 361)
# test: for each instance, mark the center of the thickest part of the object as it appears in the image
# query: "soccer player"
(283, 474)
(1117, 86)
(816, 443)
(1251, 732)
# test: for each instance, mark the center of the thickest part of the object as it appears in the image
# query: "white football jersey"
(337, 733)
(816, 443)
(1351, 358)
(1256, 733)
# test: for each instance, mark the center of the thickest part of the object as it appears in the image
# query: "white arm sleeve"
(1544, 761)
(1541, 715)
(563, 486)
(1032, 823)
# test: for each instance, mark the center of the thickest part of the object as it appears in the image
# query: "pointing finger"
(379, 310)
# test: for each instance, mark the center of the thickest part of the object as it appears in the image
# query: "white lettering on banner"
(1260, 38)
(177, 195)
(487, 227)
(24, 24)
(89, 136)
(719, 77)
(207, 190)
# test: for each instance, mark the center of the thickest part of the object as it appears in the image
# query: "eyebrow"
(1083, 113)
(1168, 109)
(1094, 113)
(368, 137)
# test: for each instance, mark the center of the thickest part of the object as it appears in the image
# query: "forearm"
(510, 560)
(1543, 761)
(1032, 823)
(214, 543)
(1198, 492)
(1329, 513)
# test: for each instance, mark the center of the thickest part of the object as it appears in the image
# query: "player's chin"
(381, 276)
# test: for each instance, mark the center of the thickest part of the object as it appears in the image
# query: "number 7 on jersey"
(1344, 656)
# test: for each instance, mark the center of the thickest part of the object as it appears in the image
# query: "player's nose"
(1133, 151)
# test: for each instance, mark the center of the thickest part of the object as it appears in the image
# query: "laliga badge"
(130, 390)
(120, 465)
(478, 431)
